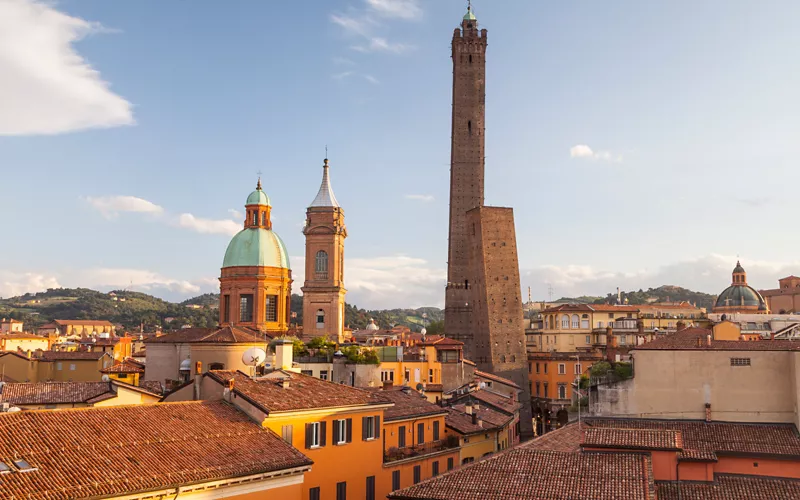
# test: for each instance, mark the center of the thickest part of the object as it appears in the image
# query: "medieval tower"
(482, 299)
(323, 290)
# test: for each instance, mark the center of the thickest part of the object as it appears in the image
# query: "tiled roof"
(502, 403)
(69, 355)
(82, 322)
(522, 473)
(226, 335)
(304, 392)
(567, 439)
(696, 339)
(100, 341)
(470, 363)
(613, 308)
(458, 419)
(153, 386)
(729, 486)
(638, 439)
(407, 404)
(564, 356)
(443, 342)
(123, 367)
(719, 437)
(109, 452)
(53, 392)
(496, 378)
(21, 336)
(434, 387)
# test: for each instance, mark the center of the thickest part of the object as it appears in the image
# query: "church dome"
(256, 246)
(740, 295)
(258, 197)
(372, 325)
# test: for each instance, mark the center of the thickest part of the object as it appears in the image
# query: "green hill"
(664, 293)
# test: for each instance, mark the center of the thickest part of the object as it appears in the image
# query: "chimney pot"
(468, 408)
(708, 340)
(198, 367)
(699, 342)
(708, 412)
(230, 384)
(285, 383)
(474, 419)
(387, 384)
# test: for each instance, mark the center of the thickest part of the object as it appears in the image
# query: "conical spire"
(325, 196)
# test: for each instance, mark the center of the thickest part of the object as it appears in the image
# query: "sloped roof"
(727, 486)
(53, 392)
(407, 404)
(225, 335)
(650, 439)
(69, 355)
(123, 367)
(458, 419)
(303, 393)
(496, 378)
(150, 446)
(687, 339)
(83, 322)
(498, 401)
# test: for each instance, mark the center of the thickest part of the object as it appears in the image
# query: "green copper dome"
(469, 16)
(741, 295)
(256, 247)
(258, 197)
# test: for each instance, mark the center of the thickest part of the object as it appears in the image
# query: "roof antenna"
(326, 151)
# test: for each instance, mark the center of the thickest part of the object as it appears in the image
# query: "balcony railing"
(419, 450)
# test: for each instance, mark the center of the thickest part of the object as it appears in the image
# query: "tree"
(435, 328)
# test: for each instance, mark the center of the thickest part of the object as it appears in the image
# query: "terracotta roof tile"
(498, 402)
(719, 437)
(21, 336)
(153, 386)
(613, 308)
(728, 486)
(496, 378)
(567, 439)
(53, 392)
(82, 322)
(524, 473)
(123, 367)
(68, 355)
(443, 342)
(458, 419)
(226, 335)
(157, 446)
(304, 392)
(407, 404)
(636, 439)
(696, 339)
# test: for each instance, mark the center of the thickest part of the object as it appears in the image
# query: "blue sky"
(639, 144)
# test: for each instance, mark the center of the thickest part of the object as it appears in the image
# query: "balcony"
(420, 450)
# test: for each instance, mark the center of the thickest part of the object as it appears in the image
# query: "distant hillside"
(583, 299)
(664, 293)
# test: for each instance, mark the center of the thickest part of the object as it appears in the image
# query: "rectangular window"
(420, 433)
(341, 491)
(537, 389)
(58, 366)
(401, 436)
(450, 463)
(417, 474)
(72, 367)
(448, 356)
(286, 433)
(271, 308)
(537, 367)
(323, 374)
(430, 376)
(546, 385)
(740, 361)
(611, 315)
(226, 308)
(435, 468)
(370, 428)
(387, 376)
(246, 308)
(407, 376)
(315, 434)
(310, 373)
(370, 487)
(395, 480)
(622, 340)
(578, 369)
(313, 493)
(545, 367)
(436, 430)
(562, 391)
(588, 339)
(339, 431)
(562, 369)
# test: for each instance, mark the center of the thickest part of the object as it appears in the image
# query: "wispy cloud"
(343, 61)
(209, 226)
(112, 206)
(371, 79)
(420, 197)
(46, 87)
(342, 75)
(365, 22)
(585, 152)
(235, 213)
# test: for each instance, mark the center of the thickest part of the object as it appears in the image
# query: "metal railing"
(394, 454)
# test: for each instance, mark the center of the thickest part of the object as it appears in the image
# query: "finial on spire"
(469, 4)
(258, 184)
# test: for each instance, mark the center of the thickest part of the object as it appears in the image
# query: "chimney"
(611, 340)
(227, 393)
(708, 340)
(283, 354)
(699, 342)
(198, 377)
(474, 419)
(198, 368)
(230, 384)
(285, 383)
(708, 412)
(480, 422)
(640, 326)
(680, 325)
(468, 408)
(387, 384)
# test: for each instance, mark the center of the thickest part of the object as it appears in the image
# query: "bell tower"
(323, 290)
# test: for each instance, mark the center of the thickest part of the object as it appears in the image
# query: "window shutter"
(436, 430)
(377, 426)
(364, 425)
(349, 430)
(309, 437)
(336, 432)
(401, 436)
(322, 433)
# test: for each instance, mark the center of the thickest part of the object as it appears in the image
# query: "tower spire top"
(325, 196)
(469, 16)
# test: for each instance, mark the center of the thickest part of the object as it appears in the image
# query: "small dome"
(469, 16)
(258, 197)
(186, 365)
(256, 246)
(738, 268)
(372, 325)
(424, 331)
(740, 295)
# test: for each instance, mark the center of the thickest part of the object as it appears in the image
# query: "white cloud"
(403, 9)
(342, 75)
(353, 25)
(343, 61)
(420, 197)
(235, 213)
(111, 206)
(133, 279)
(209, 226)
(584, 151)
(709, 273)
(379, 44)
(46, 87)
(371, 79)
(13, 284)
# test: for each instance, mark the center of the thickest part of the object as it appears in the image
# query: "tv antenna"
(550, 292)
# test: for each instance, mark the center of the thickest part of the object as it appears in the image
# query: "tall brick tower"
(466, 170)
(323, 290)
(483, 308)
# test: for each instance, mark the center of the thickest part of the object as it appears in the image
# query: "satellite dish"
(105, 378)
(483, 385)
(13, 409)
(254, 356)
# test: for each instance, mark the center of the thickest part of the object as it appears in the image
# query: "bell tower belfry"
(323, 290)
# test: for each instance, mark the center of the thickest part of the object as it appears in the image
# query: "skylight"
(24, 466)
(4, 468)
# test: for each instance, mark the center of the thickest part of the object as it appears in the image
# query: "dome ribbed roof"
(256, 247)
(740, 295)
(738, 268)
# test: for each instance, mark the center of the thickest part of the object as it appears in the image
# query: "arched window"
(503, 358)
(255, 218)
(565, 321)
(576, 321)
(263, 218)
(216, 366)
(320, 318)
(562, 391)
(321, 264)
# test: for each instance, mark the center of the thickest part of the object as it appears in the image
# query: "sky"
(639, 143)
